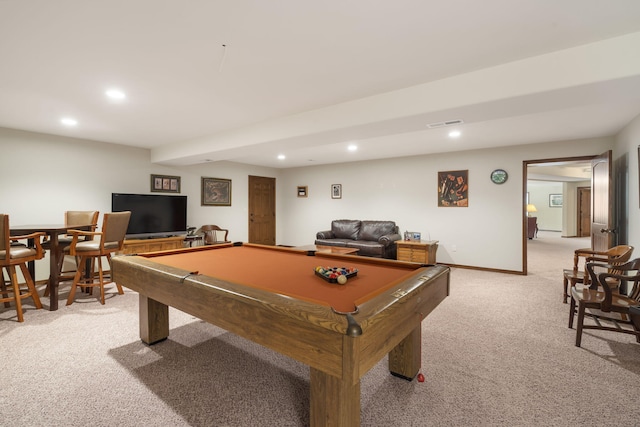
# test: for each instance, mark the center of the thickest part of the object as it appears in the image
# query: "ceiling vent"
(447, 123)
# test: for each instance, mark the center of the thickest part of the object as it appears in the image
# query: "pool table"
(272, 296)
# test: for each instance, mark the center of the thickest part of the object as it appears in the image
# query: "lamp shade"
(531, 208)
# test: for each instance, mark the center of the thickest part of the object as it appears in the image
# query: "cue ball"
(342, 279)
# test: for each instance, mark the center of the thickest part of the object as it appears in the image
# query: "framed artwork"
(555, 200)
(336, 191)
(302, 191)
(453, 188)
(216, 192)
(165, 184)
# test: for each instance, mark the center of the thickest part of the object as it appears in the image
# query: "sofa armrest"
(328, 234)
(387, 239)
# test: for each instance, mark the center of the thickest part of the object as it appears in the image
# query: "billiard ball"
(342, 279)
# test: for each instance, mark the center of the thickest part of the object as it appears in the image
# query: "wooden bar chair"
(105, 243)
(12, 255)
(612, 306)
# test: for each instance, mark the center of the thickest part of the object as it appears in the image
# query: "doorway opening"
(555, 198)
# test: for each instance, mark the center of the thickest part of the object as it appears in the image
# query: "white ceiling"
(246, 80)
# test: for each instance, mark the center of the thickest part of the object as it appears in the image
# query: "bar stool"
(108, 241)
(12, 255)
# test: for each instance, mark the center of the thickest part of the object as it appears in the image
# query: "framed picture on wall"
(216, 192)
(453, 188)
(302, 191)
(336, 191)
(555, 200)
(165, 184)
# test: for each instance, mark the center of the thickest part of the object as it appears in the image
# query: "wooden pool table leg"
(405, 359)
(154, 320)
(333, 401)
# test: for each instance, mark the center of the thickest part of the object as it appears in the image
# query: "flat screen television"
(152, 215)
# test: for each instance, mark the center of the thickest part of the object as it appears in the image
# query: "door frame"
(525, 164)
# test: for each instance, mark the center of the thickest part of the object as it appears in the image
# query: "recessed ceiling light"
(68, 121)
(281, 157)
(115, 94)
(454, 134)
(352, 147)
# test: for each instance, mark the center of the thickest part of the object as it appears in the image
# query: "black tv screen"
(152, 215)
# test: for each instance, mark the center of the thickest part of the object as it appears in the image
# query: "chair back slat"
(614, 256)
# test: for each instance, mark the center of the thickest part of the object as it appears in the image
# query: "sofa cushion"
(346, 228)
(367, 248)
(373, 230)
(332, 242)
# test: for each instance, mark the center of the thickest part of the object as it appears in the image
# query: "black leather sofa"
(371, 238)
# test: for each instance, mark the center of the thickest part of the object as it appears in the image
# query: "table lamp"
(531, 208)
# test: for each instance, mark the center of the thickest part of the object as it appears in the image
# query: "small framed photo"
(336, 191)
(216, 192)
(165, 184)
(412, 236)
(555, 200)
(302, 191)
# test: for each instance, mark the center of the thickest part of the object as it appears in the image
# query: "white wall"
(549, 218)
(234, 217)
(45, 175)
(627, 186)
(487, 234)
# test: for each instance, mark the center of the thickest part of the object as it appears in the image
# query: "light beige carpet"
(497, 351)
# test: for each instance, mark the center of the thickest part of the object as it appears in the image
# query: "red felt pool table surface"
(291, 272)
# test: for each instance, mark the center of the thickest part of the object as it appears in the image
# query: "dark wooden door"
(584, 211)
(602, 227)
(262, 210)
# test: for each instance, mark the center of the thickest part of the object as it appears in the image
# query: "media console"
(139, 246)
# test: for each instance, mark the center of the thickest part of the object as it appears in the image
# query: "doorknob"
(607, 230)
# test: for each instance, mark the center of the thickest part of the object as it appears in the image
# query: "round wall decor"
(499, 176)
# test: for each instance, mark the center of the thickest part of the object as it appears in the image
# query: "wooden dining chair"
(612, 306)
(213, 235)
(581, 257)
(103, 244)
(12, 254)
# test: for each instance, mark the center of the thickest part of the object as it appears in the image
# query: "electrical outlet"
(454, 248)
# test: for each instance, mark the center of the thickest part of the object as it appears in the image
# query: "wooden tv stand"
(138, 246)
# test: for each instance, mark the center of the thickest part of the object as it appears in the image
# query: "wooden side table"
(423, 251)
